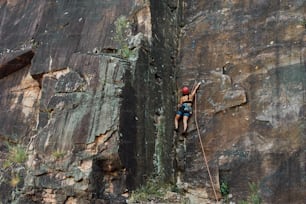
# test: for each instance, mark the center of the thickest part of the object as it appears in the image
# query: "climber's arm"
(195, 89)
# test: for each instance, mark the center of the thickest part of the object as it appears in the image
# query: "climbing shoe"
(176, 129)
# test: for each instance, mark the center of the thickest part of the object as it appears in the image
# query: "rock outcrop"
(89, 92)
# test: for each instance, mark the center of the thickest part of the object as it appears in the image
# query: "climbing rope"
(202, 147)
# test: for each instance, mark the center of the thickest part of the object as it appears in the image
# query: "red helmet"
(185, 90)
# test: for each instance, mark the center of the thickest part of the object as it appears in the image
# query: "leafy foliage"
(224, 187)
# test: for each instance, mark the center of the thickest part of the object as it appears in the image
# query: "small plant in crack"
(224, 187)
(17, 155)
(58, 154)
(123, 29)
(14, 163)
(225, 190)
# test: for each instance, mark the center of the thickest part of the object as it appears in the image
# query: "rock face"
(90, 96)
(251, 56)
(92, 122)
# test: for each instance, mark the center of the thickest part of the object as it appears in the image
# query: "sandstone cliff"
(89, 92)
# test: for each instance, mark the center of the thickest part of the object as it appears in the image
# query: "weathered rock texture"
(97, 125)
(251, 108)
(93, 123)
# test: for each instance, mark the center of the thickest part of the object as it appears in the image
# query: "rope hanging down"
(202, 147)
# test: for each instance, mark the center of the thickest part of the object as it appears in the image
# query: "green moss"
(122, 27)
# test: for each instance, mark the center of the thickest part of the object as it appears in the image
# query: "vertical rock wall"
(147, 108)
(165, 27)
(95, 125)
(63, 104)
(251, 57)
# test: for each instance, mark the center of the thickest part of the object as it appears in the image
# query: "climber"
(185, 107)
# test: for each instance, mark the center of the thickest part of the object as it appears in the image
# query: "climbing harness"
(202, 147)
(185, 110)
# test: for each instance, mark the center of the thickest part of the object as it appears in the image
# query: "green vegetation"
(122, 27)
(58, 154)
(6, 164)
(254, 197)
(152, 190)
(224, 188)
(16, 155)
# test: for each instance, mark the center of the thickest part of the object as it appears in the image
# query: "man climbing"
(185, 107)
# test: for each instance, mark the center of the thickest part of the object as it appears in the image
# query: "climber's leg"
(185, 121)
(176, 119)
